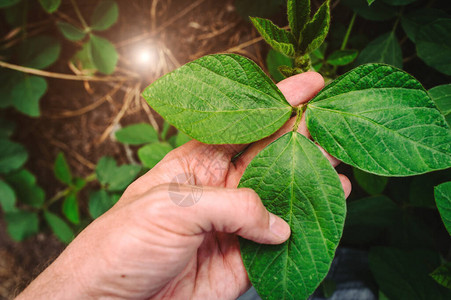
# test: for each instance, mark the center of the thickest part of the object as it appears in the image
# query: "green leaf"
(398, 2)
(50, 6)
(137, 134)
(434, 45)
(441, 95)
(298, 15)
(278, 38)
(220, 99)
(7, 128)
(381, 120)
(370, 2)
(181, 139)
(102, 54)
(375, 211)
(113, 177)
(342, 57)
(24, 184)
(12, 156)
(378, 11)
(7, 198)
(100, 202)
(70, 208)
(405, 275)
(316, 30)
(308, 195)
(413, 21)
(25, 95)
(442, 194)
(105, 15)
(59, 227)
(442, 275)
(384, 49)
(79, 183)
(70, 32)
(39, 52)
(328, 287)
(370, 183)
(7, 3)
(82, 60)
(62, 170)
(21, 224)
(274, 60)
(421, 189)
(151, 154)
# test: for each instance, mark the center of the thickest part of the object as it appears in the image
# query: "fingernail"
(279, 227)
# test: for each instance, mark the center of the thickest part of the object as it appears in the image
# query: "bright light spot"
(146, 56)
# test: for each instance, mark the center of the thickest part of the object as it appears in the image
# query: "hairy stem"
(348, 32)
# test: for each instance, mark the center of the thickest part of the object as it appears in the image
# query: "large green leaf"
(220, 99)
(70, 208)
(103, 54)
(274, 60)
(298, 15)
(404, 275)
(278, 38)
(50, 6)
(7, 197)
(442, 194)
(378, 11)
(59, 227)
(442, 275)
(27, 190)
(137, 134)
(61, 169)
(25, 95)
(380, 120)
(384, 49)
(441, 95)
(434, 45)
(316, 30)
(308, 195)
(342, 57)
(113, 177)
(12, 156)
(151, 154)
(413, 21)
(22, 224)
(39, 52)
(370, 183)
(70, 32)
(105, 15)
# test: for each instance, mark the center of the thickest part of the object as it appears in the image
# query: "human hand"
(148, 247)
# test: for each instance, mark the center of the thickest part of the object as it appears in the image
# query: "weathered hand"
(146, 246)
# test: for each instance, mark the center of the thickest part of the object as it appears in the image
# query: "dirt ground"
(78, 118)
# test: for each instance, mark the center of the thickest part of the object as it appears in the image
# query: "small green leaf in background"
(434, 45)
(309, 196)
(413, 21)
(70, 208)
(378, 11)
(328, 287)
(342, 57)
(7, 3)
(103, 54)
(398, 2)
(113, 177)
(100, 201)
(274, 60)
(137, 134)
(26, 94)
(391, 128)
(404, 275)
(370, 183)
(298, 15)
(280, 39)
(152, 154)
(384, 49)
(22, 224)
(421, 189)
(441, 95)
(7, 128)
(442, 275)
(316, 30)
(105, 15)
(246, 8)
(12, 156)
(370, 2)
(62, 170)
(39, 52)
(443, 199)
(181, 139)
(50, 6)
(82, 60)
(220, 99)
(7, 198)
(70, 32)
(59, 227)
(24, 184)
(375, 211)
(79, 183)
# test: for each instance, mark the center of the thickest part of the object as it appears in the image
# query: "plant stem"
(299, 113)
(79, 15)
(348, 32)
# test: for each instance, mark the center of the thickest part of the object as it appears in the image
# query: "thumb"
(237, 211)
